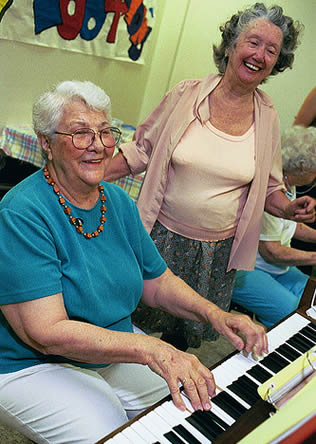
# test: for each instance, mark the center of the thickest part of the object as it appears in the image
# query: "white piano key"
(143, 431)
(118, 439)
(168, 410)
(156, 425)
(132, 436)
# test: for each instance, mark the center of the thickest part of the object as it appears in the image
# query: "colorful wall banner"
(106, 28)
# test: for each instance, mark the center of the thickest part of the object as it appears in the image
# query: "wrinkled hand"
(301, 209)
(232, 325)
(178, 367)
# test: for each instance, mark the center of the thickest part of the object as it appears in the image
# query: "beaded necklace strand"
(78, 222)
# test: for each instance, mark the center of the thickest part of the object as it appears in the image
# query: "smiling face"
(255, 53)
(78, 170)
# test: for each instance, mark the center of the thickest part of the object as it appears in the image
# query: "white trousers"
(53, 403)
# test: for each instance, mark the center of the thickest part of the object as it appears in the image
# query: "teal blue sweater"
(101, 279)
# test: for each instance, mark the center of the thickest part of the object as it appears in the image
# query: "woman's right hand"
(178, 367)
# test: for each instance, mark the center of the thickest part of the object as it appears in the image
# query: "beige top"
(209, 176)
(157, 137)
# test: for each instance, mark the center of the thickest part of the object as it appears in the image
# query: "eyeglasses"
(82, 138)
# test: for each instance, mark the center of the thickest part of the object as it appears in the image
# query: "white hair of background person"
(298, 145)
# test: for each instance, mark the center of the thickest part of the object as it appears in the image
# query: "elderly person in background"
(75, 261)
(306, 116)
(211, 152)
(274, 288)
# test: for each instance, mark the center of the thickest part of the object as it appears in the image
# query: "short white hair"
(298, 145)
(48, 107)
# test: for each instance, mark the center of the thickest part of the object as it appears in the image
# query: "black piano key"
(273, 363)
(248, 383)
(242, 393)
(201, 427)
(298, 341)
(217, 419)
(207, 419)
(246, 389)
(309, 333)
(186, 435)
(173, 438)
(301, 337)
(312, 325)
(232, 407)
(259, 373)
(279, 359)
(288, 352)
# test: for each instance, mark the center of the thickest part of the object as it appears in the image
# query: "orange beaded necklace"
(78, 222)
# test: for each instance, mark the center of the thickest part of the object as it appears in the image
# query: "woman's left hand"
(243, 333)
(302, 209)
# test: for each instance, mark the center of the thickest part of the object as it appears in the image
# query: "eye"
(253, 42)
(272, 51)
(106, 131)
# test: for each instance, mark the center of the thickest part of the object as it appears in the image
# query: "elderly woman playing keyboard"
(75, 262)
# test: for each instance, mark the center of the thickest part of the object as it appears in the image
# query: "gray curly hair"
(239, 22)
(298, 146)
(49, 106)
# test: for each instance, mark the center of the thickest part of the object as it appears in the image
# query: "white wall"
(28, 70)
(180, 47)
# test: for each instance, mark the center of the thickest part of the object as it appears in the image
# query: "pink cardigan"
(158, 135)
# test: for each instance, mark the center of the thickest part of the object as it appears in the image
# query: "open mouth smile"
(252, 67)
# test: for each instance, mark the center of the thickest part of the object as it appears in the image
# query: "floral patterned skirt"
(202, 265)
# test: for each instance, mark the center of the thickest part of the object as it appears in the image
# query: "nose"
(260, 52)
(96, 145)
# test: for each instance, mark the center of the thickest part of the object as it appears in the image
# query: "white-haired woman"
(212, 159)
(75, 261)
(274, 288)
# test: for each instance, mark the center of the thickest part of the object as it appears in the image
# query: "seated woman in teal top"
(75, 262)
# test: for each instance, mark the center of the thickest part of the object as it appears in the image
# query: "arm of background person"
(118, 168)
(275, 253)
(307, 112)
(301, 209)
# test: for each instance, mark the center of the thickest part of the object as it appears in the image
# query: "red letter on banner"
(119, 8)
(71, 23)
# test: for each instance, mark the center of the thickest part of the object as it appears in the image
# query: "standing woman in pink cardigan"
(211, 152)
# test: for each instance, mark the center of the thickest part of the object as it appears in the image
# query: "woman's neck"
(80, 194)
